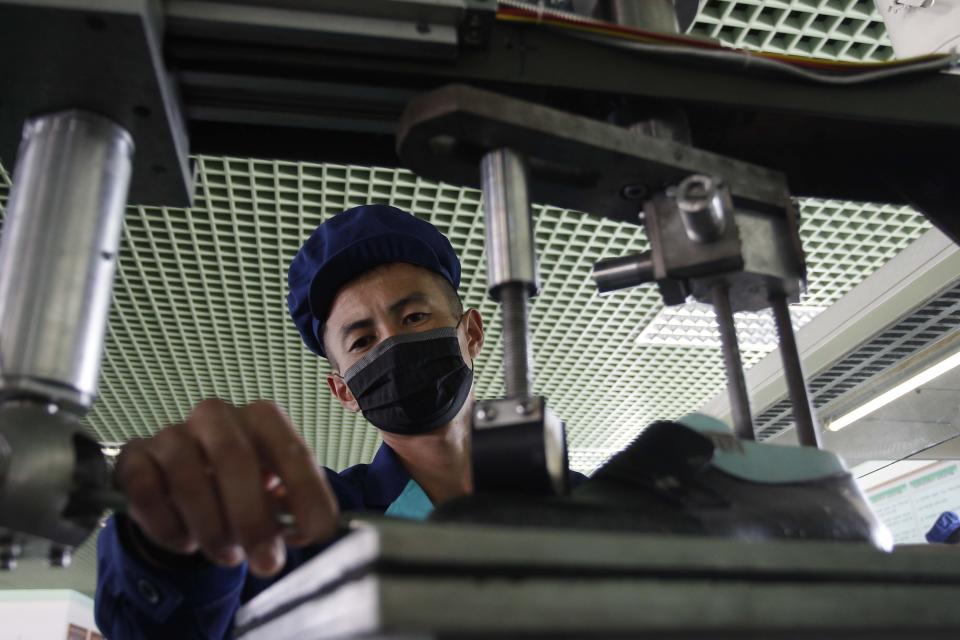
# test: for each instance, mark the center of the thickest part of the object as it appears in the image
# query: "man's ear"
(474, 328)
(342, 393)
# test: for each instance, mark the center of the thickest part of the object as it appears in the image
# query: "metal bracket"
(726, 231)
(573, 162)
(104, 58)
(522, 436)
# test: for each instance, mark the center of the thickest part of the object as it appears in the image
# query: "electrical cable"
(835, 72)
(747, 61)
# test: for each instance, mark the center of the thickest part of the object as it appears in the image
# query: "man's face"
(390, 300)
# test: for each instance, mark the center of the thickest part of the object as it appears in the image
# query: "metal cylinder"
(649, 15)
(703, 208)
(58, 255)
(511, 261)
(510, 251)
(625, 272)
(804, 415)
(736, 383)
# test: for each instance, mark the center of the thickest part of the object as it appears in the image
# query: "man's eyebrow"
(367, 323)
(416, 296)
(347, 329)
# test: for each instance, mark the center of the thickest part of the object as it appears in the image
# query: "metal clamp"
(719, 222)
(519, 445)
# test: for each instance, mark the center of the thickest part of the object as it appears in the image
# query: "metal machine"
(74, 124)
(685, 143)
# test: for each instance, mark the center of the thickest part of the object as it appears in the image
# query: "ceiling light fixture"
(920, 379)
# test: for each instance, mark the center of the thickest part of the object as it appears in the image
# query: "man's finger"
(194, 493)
(308, 495)
(237, 470)
(139, 478)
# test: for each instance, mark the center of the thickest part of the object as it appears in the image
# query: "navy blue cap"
(350, 244)
(944, 527)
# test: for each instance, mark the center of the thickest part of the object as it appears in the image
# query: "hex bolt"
(60, 557)
(486, 413)
(9, 553)
(7, 562)
(703, 207)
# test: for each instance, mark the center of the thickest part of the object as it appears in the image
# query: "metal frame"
(106, 60)
(873, 132)
(924, 268)
(221, 46)
(399, 580)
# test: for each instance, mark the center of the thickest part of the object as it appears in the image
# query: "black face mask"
(412, 383)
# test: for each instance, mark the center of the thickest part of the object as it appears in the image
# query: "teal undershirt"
(412, 503)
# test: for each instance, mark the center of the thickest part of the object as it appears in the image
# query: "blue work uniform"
(136, 599)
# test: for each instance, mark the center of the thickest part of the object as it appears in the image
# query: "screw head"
(633, 192)
(442, 145)
(486, 413)
(9, 552)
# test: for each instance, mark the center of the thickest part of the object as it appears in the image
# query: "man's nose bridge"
(387, 327)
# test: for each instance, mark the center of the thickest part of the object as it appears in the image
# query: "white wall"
(42, 614)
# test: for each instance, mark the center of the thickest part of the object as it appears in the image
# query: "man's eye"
(414, 318)
(360, 343)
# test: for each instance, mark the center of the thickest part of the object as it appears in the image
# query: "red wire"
(670, 39)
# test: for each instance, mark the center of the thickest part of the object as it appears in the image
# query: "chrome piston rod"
(511, 262)
(58, 256)
(518, 445)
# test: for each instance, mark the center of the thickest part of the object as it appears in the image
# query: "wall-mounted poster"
(911, 503)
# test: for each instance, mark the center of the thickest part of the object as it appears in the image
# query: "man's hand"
(200, 485)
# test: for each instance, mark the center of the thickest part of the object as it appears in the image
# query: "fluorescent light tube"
(901, 389)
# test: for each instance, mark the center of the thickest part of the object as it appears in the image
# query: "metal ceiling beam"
(858, 142)
(103, 57)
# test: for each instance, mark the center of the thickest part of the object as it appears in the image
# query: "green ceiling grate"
(849, 30)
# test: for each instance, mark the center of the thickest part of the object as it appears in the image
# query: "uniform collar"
(386, 478)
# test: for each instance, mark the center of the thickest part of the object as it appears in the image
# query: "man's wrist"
(135, 541)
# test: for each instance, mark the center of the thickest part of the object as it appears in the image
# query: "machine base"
(394, 579)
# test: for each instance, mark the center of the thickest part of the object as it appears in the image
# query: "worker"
(374, 291)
